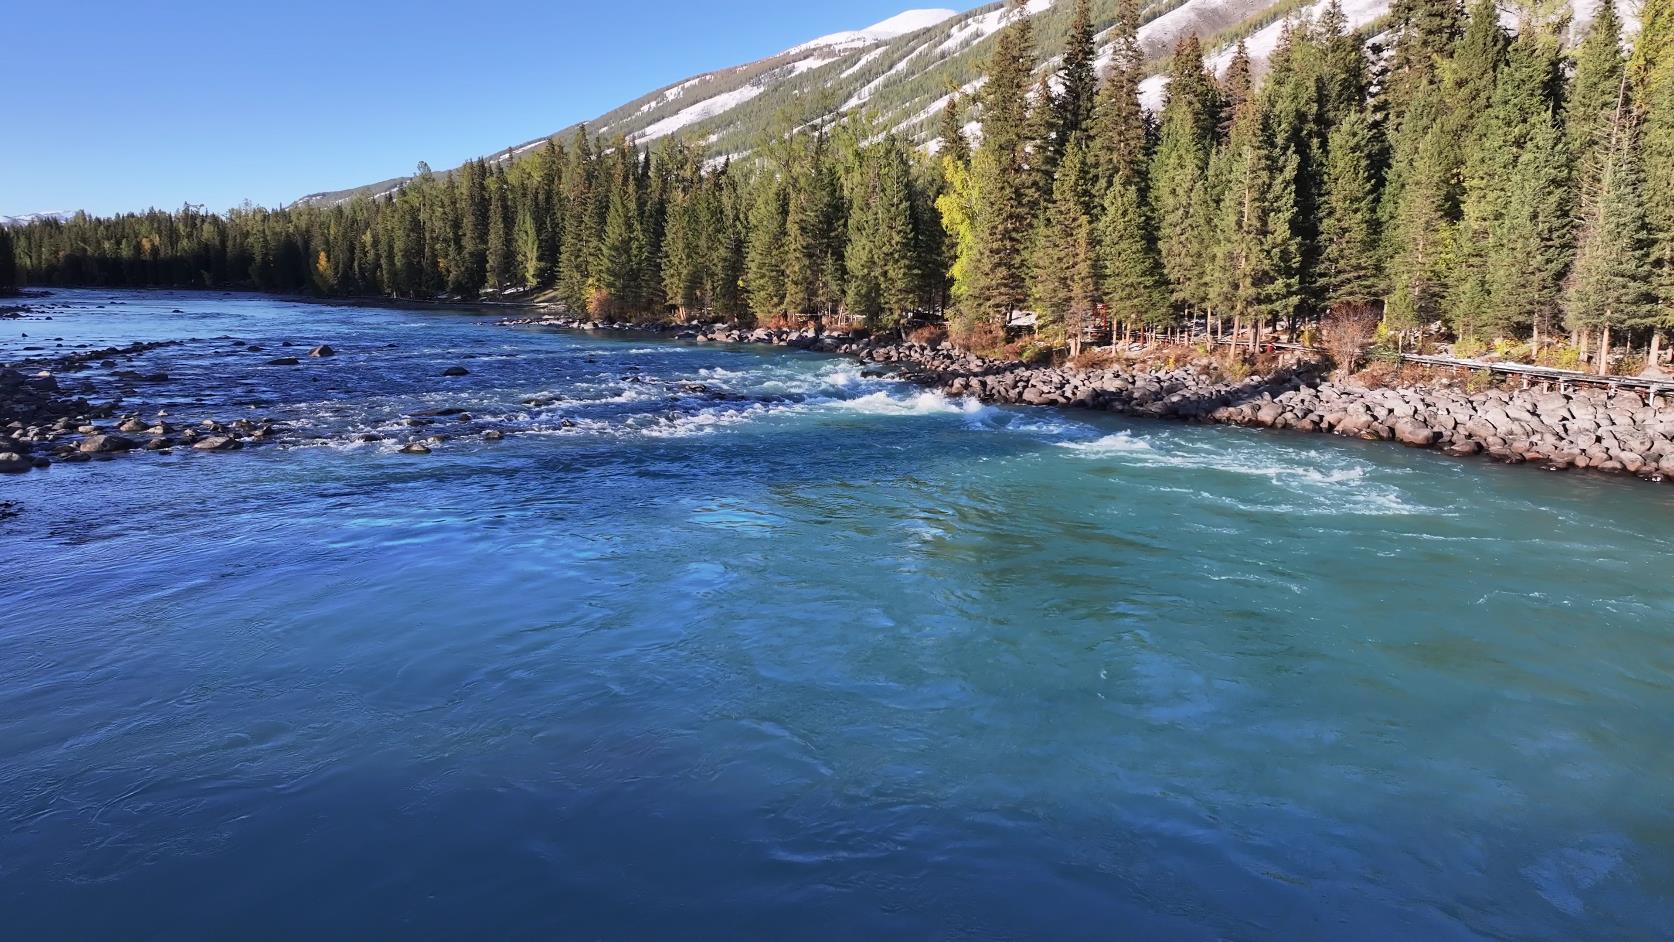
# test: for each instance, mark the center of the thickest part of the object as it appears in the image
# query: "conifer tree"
(502, 256)
(1651, 77)
(1179, 184)
(545, 211)
(950, 130)
(883, 277)
(765, 259)
(1064, 272)
(1122, 133)
(1350, 264)
(615, 283)
(1513, 234)
(1131, 280)
(8, 261)
(1607, 287)
(580, 223)
(1004, 216)
(1078, 97)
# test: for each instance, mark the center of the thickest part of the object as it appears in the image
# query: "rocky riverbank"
(51, 413)
(1589, 428)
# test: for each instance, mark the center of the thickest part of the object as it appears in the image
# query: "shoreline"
(1611, 431)
(1614, 432)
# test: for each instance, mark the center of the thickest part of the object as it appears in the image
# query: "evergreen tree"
(1651, 75)
(8, 262)
(1122, 135)
(580, 223)
(1064, 271)
(1513, 234)
(614, 289)
(1184, 205)
(1078, 80)
(502, 256)
(950, 131)
(1607, 287)
(1350, 263)
(1131, 283)
(1004, 216)
(883, 276)
(765, 259)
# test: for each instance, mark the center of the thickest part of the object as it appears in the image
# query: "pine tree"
(1590, 106)
(1005, 215)
(883, 277)
(502, 253)
(1513, 233)
(1237, 86)
(545, 212)
(580, 223)
(1651, 75)
(1131, 283)
(1064, 272)
(8, 262)
(1122, 135)
(1351, 272)
(1419, 227)
(1607, 287)
(765, 260)
(1078, 80)
(1184, 206)
(615, 283)
(950, 130)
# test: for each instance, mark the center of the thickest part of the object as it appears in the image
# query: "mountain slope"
(899, 72)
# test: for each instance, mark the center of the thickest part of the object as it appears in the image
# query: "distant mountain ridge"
(899, 72)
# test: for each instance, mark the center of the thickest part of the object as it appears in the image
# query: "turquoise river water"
(804, 653)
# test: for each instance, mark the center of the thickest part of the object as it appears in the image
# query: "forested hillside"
(1503, 184)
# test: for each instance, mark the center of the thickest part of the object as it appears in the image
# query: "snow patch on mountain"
(900, 24)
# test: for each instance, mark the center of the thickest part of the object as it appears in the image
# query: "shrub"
(930, 335)
(977, 335)
(1346, 333)
(1469, 348)
(1561, 357)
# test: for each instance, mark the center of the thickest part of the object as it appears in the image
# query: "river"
(743, 642)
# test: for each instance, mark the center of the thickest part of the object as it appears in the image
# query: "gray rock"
(323, 350)
(106, 444)
(456, 371)
(218, 443)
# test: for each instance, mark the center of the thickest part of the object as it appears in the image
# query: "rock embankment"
(1614, 431)
(1587, 428)
(1605, 430)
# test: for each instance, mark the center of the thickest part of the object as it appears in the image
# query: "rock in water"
(218, 443)
(456, 371)
(416, 448)
(283, 361)
(11, 463)
(104, 444)
(323, 350)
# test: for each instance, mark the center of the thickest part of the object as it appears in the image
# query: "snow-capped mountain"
(899, 72)
(28, 218)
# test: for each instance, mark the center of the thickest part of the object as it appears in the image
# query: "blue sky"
(125, 105)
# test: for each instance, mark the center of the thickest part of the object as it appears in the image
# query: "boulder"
(218, 443)
(456, 371)
(13, 463)
(416, 448)
(1413, 433)
(106, 444)
(323, 350)
(283, 361)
